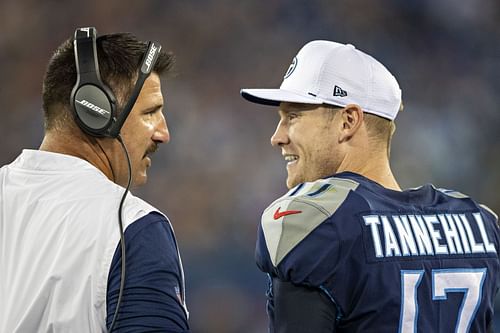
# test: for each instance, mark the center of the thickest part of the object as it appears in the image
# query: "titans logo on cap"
(292, 67)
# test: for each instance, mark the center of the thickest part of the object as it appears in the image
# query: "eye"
(291, 116)
(151, 112)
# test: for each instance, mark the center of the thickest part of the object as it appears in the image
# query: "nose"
(280, 136)
(161, 133)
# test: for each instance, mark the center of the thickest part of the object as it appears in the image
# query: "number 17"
(467, 281)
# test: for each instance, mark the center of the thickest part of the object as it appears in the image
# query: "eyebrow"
(297, 107)
(153, 108)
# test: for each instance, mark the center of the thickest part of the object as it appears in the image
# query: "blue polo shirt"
(152, 297)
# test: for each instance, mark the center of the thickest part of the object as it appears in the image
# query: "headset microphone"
(93, 105)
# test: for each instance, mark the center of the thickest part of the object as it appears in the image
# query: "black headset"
(93, 105)
(92, 102)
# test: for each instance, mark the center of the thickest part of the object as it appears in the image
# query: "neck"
(374, 166)
(81, 146)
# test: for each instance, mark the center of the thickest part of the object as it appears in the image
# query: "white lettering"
(424, 235)
(150, 56)
(391, 242)
(421, 235)
(372, 221)
(93, 107)
(451, 234)
(463, 235)
(430, 220)
(476, 247)
(405, 235)
(480, 223)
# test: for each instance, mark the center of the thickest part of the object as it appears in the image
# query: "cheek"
(140, 148)
(313, 145)
(322, 151)
(135, 147)
(138, 133)
(138, 125)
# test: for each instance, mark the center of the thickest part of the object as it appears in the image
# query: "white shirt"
(58, 233)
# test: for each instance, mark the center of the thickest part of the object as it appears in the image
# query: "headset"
(93, 105)
(92, 102)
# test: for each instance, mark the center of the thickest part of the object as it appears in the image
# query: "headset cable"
(122, 235)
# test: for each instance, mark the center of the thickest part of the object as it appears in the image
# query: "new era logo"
(337, 91)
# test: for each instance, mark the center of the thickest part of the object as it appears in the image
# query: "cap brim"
(274, 97)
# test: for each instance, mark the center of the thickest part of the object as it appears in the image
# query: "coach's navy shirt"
(420, 260)
(152, 298)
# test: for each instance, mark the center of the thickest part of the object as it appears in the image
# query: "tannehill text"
(418, 235)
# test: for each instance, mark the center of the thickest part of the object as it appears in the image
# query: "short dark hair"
(119, 56)
(380, 130)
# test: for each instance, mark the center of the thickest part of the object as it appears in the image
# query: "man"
(346, 249)
(62, 206)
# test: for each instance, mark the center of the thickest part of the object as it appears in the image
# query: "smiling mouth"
(290, 159)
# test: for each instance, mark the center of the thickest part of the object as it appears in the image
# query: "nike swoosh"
(278, 214)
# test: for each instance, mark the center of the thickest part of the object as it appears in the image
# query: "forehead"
(151, 91)
(286, 107)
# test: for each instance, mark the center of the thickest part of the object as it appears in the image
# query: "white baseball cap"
(325, 72)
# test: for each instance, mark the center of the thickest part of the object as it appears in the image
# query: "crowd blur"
(219, 171)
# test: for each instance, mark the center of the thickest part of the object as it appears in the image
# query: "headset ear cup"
(93, 108)
(92, 102)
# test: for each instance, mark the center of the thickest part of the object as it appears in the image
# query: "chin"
(139, 180)
(291, 182)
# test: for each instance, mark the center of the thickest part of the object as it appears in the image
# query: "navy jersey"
(420, 260)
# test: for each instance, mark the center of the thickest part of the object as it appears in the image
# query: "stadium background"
(219, 172)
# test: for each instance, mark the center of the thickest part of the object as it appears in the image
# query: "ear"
(351, 118)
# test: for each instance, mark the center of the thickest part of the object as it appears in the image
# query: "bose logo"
(93, 107)
(150, 57)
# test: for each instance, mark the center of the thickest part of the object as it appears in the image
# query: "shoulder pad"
(452, 193)
(488, 209)
(288, 220)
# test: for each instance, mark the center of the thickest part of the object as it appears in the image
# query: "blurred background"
(219, 171)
